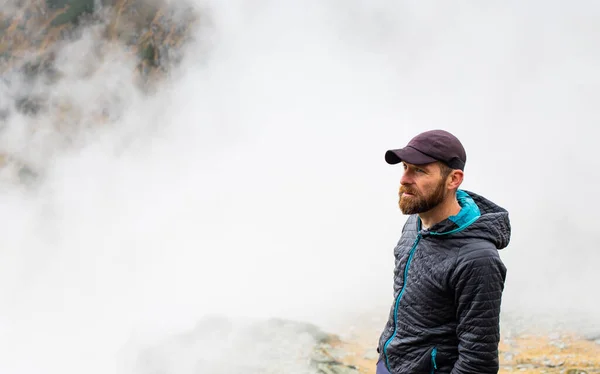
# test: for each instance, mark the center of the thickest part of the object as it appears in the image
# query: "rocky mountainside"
(54, 55)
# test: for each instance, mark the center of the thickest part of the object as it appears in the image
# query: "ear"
(455, 179)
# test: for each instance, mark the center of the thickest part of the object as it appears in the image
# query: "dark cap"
(430, 146)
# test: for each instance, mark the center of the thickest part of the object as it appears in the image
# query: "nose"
(406, 178)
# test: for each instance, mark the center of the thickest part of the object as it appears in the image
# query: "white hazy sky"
(253, 183)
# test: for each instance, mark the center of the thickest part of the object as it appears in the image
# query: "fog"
(252, 184)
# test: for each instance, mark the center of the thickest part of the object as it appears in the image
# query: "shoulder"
(409, 230)
(410, 225)
(479, 257)
(408, 235)
(477, 251)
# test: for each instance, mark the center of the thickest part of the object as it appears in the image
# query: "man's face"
(422, 188)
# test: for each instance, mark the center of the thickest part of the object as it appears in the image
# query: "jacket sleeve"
(478, 284)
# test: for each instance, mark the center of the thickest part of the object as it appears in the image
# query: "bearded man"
(448, 275)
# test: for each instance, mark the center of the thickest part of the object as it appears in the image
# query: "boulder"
(221, 345)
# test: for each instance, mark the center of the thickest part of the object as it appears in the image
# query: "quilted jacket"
(448, 284)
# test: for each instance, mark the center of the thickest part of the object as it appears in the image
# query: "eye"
(418, 170)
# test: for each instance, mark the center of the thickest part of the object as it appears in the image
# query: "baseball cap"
(430, 146)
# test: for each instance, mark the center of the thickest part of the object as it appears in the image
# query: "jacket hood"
(479, 218)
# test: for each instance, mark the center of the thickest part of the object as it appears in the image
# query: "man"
(448, 276)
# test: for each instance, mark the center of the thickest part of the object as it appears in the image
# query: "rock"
(558, 344)
(553, 364)
(220, 345)
(315, 332)
(594, 336)
(325, 359)
(335, 369)
(524, 367)
(371, 355)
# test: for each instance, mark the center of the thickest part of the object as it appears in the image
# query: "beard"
(418, 203)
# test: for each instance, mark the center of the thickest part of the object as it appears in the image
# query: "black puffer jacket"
(448, 284)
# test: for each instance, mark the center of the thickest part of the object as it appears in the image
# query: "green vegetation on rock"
(71, 10)
(37, 38)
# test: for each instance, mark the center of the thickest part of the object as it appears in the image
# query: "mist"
(252, 183)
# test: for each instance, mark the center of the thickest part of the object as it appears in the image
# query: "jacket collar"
(468, 214)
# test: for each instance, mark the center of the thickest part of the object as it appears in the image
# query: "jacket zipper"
(387, 343)
(433, 360)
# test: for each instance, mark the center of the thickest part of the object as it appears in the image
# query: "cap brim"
(409, 155)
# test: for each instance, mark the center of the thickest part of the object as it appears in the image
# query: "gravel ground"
(528, 353)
